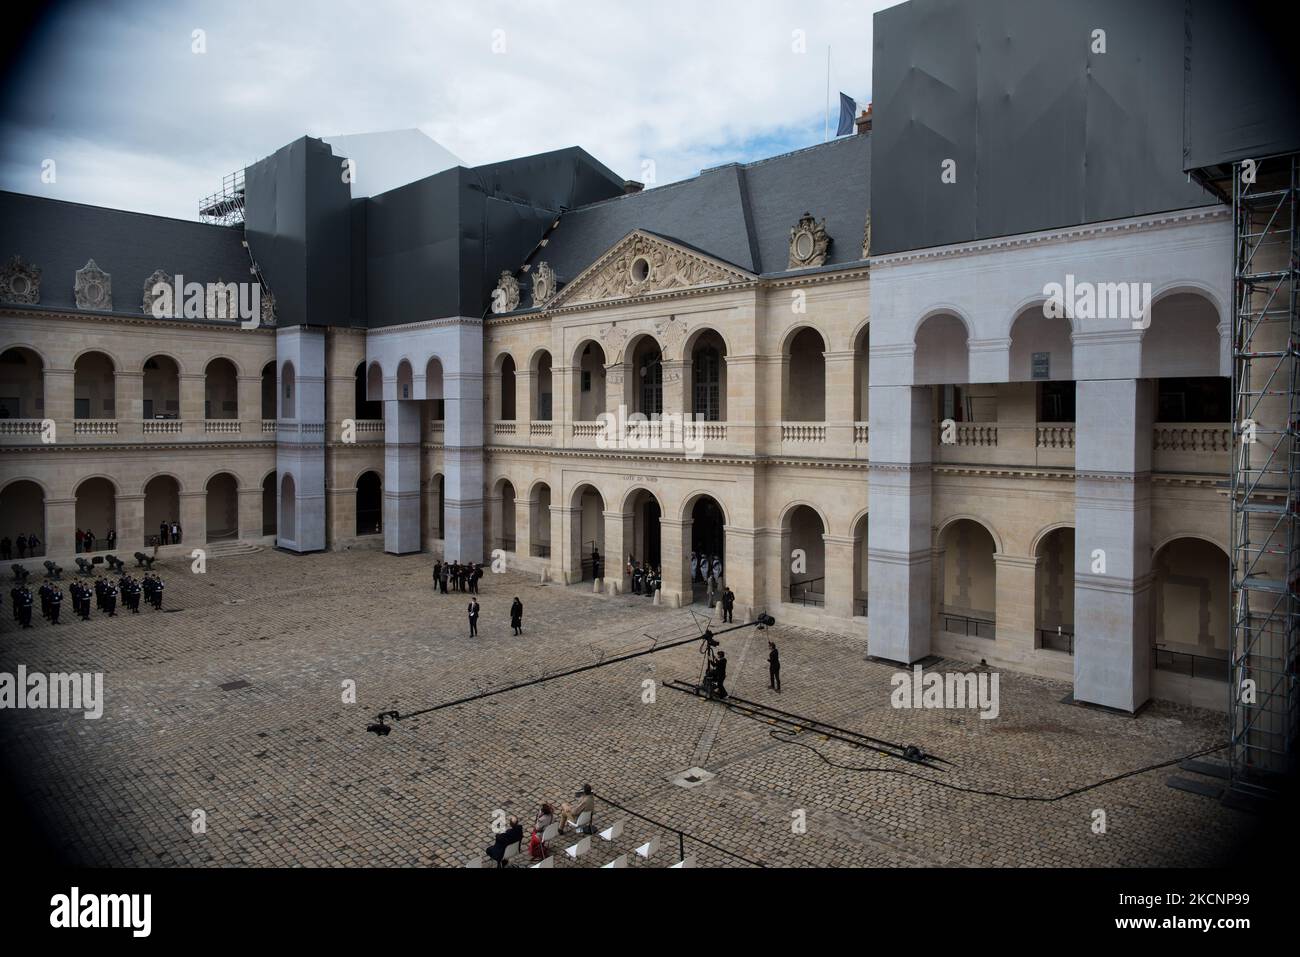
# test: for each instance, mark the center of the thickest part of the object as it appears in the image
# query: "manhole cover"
(692, 777)
(235, 685)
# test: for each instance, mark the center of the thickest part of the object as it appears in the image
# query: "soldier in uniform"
(157, 593)
(110, 599)
(25, 606)
(99, 594)
(55, 602)
(44, 593)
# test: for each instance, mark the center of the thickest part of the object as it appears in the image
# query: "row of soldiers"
(457, 576)
(104, 592)
(645, 579)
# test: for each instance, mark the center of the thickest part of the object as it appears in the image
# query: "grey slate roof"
(60, 237)
(739, 213)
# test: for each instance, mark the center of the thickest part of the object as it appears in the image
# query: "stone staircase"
(231, 549)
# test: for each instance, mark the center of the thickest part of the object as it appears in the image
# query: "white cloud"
(153, 126)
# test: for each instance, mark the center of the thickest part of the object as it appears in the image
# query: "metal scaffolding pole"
(1264, 492)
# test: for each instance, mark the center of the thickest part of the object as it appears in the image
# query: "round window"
(19, 285)
(640, 269)
(803, 245)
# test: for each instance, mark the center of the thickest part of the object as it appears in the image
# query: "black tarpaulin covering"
(298, 222)
(1044, 132)
(1242, 81)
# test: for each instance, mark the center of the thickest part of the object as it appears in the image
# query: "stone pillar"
(839, 402)
(618, 536)
(130, 528)
(194, 519)
(300, 437)
(675, 546)
(1112, 542)
(60, 530)
(250, 512)
(128, 403)
(192, 394)
(566, 541)
(59, 403)
(525, 381)
(839, 575)
(675, 386)
(1016, 590)
(463, 445)
(898, 535)
(523, 526)
(401, 477)
(740, 570)
(250, 405)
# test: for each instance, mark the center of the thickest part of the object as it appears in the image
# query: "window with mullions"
(707, 377)
(650, 374)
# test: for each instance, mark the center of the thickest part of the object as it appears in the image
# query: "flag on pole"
(848, 110)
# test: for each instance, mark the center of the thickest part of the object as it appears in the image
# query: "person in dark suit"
(517, 616)
(773, 667)
(473, 617)
(437, 574)
(511, 835)
(728, 605)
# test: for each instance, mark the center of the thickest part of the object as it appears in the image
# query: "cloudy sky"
(133, 117)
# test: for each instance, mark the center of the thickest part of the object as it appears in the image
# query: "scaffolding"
(1264, 493)
(226, 206)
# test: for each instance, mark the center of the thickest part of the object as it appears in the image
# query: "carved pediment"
(642, 265)
(158, 287)
(505, 297)
(808, 243)
(20, 282)
(93, 288)
(543, 284)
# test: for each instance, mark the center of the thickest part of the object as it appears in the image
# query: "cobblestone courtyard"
(287, 775)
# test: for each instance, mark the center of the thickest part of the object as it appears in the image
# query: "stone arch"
(369, 492)
(22, 512)
(288, 391)
(96, 504)
(941, 350)
(269, 382)
(587, 530)
(705, 373)
(434, 385)
(541, 386)
(1191, 607)
(375, 383)
(22, 377)
(161, 386)
(504, 369)
(221, 495)
(589, 360)
(94, 385)
(162, 503)
(803, 560)
(643, 374)
(405, 380)
(803, 389)
(1053, 549)
(1033, 333)
(221, 388)
(288, 507)
(862, 372)
(270, 513)
(1183, 339)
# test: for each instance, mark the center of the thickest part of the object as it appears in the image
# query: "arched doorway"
(1054, 591)
(362, 407)
(644, 379)
(370, 504)
(438, 507)
(506, 378)
(288, 392)
(268, 505)
(1190, 609)
(223, 507)
(861, 376)
(22, 512)
(22, 384)
(803, 566)
(96, 508)
(220, 390)
(968, 596)
(942, 355)
(860, 565)
(646, 544)
(268, 394)
(539, 518)
(505, 538)
(162, 505)
(542, 388)
(94, 385)
(706, 393)
(587, 534)
(805, 377)
(288, 507)
(162, 388)
(708, 545)
(588, 382)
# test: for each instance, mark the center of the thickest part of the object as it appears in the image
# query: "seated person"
(545, 818)
(511, 835)
(569, 813)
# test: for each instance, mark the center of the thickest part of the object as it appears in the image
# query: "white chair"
(552, 832)
(583, 824)
(511, 852)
